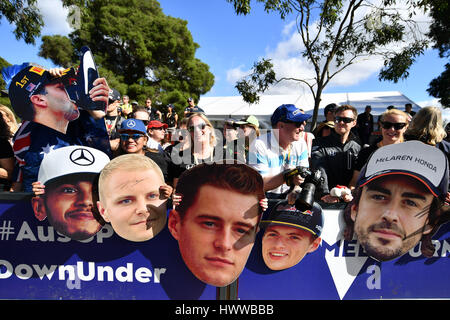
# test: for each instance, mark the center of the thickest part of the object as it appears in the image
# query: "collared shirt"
(269, 159)
(152, 144)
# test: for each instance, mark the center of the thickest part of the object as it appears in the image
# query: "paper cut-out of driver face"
(70, 175)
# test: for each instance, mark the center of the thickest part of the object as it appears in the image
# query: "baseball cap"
(70, 160)
(156, 124)
(25, 81)
(288, 112)
(133, 124)
(232, 122)
(284, 214)
(416, 159)
(249, 120)
(329, 108)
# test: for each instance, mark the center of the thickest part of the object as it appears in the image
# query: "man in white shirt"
(281, 150)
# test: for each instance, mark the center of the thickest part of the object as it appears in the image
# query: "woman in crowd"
(9, 118)
(171, 118)
(6, 156)
(201, 149)
(393, 124)
(428, 127)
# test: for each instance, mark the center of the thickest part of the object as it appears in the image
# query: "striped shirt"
(269, 159)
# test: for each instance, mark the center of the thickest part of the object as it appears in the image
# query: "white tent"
(220, 108)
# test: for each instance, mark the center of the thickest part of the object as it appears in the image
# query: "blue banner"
(36, 262)
(340, 269)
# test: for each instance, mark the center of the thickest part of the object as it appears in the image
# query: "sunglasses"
(202, 126)
(157, 128)
(397, 126)
(296, 124)
(343, 119)
(126, 136)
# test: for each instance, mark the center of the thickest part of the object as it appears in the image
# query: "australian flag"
(33, 140)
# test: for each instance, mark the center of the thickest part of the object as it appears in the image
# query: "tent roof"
(234, 106)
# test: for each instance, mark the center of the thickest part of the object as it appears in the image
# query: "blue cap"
(133, 124)
(288, 112)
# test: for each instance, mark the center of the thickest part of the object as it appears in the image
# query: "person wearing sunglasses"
(201, 149)
(133, 136)
(281, 150)
(393, 124)
(233, 142)
(157, 132)
(133, 140)
(335, 155)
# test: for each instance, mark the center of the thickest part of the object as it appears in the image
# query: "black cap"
(329, 108)
(284, 214)
(27, 82)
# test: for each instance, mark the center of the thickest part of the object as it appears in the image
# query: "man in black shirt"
(335, 155)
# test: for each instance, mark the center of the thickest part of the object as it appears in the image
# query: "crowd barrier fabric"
(38, 263)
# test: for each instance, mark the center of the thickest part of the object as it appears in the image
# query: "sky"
(231, 44)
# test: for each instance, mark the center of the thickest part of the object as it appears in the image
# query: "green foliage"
(397, 67)
(259, 80)
(3, 97)
(25, 16)
(59, 49)
(440, 87)
(335, 34)
(439, 33)
(140, 51)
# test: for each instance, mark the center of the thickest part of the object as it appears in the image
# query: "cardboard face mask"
(69, 175)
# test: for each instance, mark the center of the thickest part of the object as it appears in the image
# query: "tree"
(25, 16)
(335, 35)
(3, 93)
(140, 50)
(439, 33)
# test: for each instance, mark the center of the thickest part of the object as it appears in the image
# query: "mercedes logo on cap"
(131, 124)
(82, 157)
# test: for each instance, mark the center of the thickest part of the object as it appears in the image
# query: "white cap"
(70, 160)
(423, 162)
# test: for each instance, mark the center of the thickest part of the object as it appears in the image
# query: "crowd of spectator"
(338, 147)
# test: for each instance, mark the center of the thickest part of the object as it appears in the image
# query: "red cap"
(156, 124)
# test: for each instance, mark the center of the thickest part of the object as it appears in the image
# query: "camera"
(313, 178)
